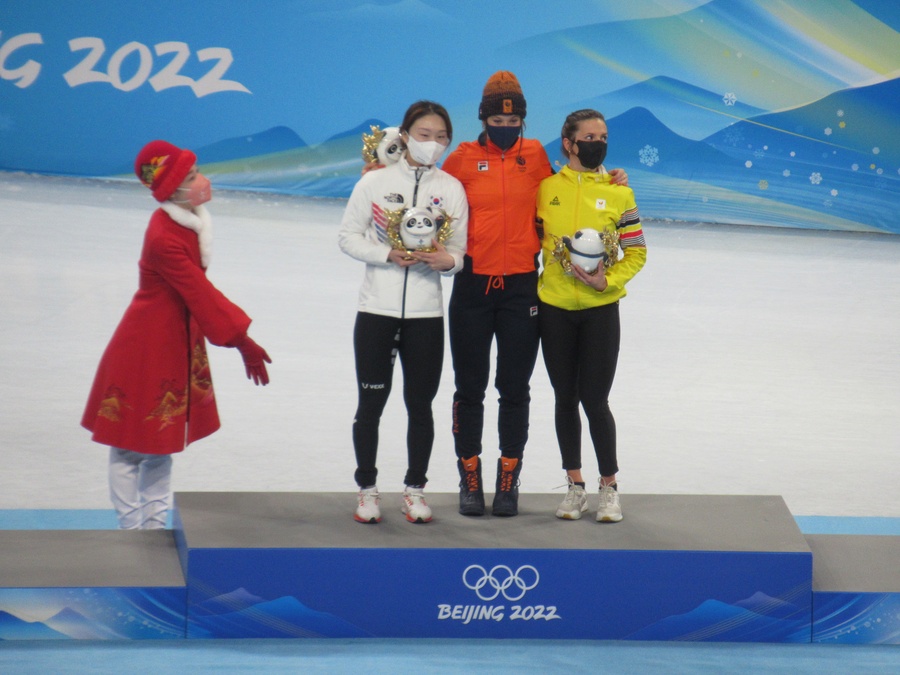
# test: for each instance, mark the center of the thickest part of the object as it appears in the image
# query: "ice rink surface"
(753, 361)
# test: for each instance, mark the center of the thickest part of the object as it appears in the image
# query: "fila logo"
(554, 201)
(482, 166)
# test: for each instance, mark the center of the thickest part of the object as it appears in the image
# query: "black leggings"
(377, 340)
(482, 309)
(581, 350)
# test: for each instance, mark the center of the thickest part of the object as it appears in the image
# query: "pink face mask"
(198, 193)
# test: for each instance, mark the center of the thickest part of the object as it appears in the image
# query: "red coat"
(153, 391)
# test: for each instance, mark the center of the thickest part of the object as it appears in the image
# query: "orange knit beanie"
(502, 96)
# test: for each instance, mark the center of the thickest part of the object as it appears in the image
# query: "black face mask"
(504, 137)
(591, 153)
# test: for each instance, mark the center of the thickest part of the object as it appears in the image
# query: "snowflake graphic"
(815, 178)
(793, 154)
(854, 167)
(763, 184)
(759, 154)
(649, 155)
(842, 124)
(876, 150)
(729, 98)
(786, 173)
(748, 164)
(834, 193)
(840, 113)
(828, 131)
(733, 137)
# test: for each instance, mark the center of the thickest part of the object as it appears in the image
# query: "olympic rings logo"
(501, 579)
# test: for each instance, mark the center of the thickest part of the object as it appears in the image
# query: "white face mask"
(198, 193)
(425, 152)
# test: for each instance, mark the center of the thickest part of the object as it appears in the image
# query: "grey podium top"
(847, 563)
(325, 520)
(89, 559)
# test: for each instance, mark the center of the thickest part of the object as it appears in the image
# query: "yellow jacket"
(569, 201)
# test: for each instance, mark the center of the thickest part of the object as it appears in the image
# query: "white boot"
(139, 487)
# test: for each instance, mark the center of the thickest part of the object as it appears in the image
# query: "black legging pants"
(581, 350)
(482, 309)
(377, 341)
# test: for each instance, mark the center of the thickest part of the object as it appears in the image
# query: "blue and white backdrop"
(767, 112)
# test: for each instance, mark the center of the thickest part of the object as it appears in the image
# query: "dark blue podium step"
(678, 567)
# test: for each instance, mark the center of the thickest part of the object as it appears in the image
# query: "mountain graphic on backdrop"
(234, 601)
(273, 141)
(716, 621)
(276, 139)
(847, 123)
(328, 169)
(357, 131)
(638, 139)
(689, 111)
(765, 604)
(72, 623)
(783, 167)
(283, 617)
(14, 628)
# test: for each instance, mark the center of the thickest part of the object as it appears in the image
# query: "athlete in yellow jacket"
(571, 200)
(579, 312)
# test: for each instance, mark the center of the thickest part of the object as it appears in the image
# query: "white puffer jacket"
(411, 292)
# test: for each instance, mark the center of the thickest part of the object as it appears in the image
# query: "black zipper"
(415, 196)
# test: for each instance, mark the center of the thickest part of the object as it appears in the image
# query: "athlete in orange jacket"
(495, 294)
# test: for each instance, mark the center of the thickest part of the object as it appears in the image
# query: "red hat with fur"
(162, 167)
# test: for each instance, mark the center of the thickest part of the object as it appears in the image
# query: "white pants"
(139, 488)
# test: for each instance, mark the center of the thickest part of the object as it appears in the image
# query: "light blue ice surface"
(754, 361)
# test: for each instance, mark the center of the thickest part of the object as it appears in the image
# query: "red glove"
(255, 359)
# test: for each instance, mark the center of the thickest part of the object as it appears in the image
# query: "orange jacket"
(501, 188)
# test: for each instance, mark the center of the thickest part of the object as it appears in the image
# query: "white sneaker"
(414, 506)
(575, 502)
(609, 510)
(367, 510)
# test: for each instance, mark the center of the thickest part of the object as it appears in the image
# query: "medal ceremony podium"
(729, 568)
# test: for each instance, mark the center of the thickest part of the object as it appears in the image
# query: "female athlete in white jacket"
(400, 302)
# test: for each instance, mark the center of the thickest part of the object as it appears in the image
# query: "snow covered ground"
(754, 360)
